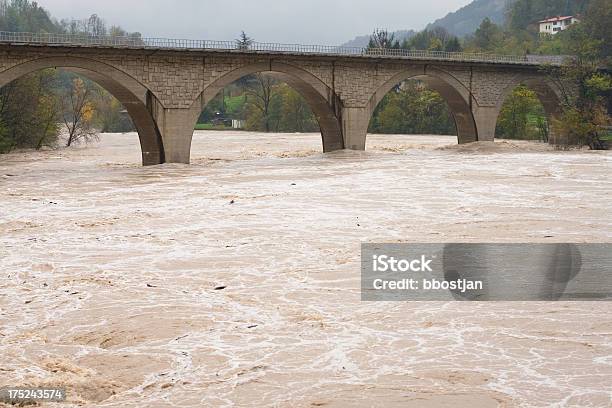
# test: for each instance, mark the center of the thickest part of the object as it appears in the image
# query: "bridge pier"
(355, 122)
(176, 129)
(486, 121)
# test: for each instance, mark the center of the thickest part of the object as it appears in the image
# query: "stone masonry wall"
(177, 78)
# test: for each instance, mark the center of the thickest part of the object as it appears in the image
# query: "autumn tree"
(260, 96)
(295, 115)
(96, 26)
(78, 112)
(382, 39)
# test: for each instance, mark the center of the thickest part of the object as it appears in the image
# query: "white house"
(556, 24)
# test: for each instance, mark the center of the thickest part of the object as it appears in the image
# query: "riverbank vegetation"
(53, 107)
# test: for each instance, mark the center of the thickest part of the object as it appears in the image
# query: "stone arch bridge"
(164, 85)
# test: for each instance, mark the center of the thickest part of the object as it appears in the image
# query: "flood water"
(236, 281)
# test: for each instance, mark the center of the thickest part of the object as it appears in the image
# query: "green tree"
(31, 107)
(437, 39)
(488, 36)
(28, 112)
(585, 107)
(244, 42)
(295, 115)
(522, 116)
(23, 15)
(586, 88)
(596, 27)
(6, 142)
(110, 114)
(411, 108)
(453, 45)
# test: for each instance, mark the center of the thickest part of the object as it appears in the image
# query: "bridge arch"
(547, 93)
(321, 99)
(456, 95)
(131, 93)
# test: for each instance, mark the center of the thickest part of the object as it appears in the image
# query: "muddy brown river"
(236, 281)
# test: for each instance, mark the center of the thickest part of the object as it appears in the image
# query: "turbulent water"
(235, 281)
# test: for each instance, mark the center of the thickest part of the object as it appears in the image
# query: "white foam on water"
(108, 274)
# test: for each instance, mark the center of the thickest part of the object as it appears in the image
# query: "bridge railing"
(52, 39)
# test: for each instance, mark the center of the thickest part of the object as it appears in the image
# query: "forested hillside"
(524, 13)
(518, 14)
(465, 20)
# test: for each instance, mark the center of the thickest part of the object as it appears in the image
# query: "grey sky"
(302, 21)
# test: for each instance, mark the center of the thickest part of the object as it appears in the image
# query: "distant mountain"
(363, 40)
(460, 23)
(467, 19)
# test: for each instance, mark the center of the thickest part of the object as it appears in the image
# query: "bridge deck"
(139, 43)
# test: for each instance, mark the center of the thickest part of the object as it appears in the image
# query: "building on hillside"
(221, 120)
(555, 24)
(238, 123)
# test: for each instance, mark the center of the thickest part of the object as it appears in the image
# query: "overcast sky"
(302, 21)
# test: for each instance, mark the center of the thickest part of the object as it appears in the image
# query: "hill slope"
(460, 23)
(467, 19)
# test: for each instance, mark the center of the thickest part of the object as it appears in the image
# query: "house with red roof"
(555, 24)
